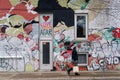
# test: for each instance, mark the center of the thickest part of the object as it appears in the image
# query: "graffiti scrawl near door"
(46, 22)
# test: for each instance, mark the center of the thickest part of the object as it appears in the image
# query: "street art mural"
(19, 37)
(103, 50)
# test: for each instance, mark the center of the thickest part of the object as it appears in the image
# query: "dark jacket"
(74, 54)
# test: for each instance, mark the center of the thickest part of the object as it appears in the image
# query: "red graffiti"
(46, 18)
(28, 15)
(5, 6)
(116, 32)
(20, 36)
(93, 37)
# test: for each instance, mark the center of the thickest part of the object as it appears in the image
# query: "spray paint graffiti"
(13, 48)
(15, 43)
(102, 47)
(19, 37)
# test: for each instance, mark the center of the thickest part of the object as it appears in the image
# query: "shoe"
(68, 72)
(77, 74)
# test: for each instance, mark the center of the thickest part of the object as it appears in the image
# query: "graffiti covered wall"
(19, 37)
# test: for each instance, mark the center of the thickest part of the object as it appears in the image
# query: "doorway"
(46, 55)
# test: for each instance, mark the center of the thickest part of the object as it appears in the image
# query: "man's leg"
(76, 64)
(68, 71)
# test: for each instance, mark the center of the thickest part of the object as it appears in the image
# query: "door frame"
(50, 65)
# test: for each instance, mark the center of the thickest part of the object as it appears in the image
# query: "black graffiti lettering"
(116, 60)
(45, 32)
(109, 60)
(101, 62)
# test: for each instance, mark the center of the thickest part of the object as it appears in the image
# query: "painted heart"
(46, 17)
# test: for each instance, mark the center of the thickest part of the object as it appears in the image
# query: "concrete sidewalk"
(56, 75)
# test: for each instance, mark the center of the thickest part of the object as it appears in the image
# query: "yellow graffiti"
(63, 3)
(29, 67)
(14, 2)
(15, 20)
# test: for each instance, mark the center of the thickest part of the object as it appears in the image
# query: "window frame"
(83, 64)
(81, 13)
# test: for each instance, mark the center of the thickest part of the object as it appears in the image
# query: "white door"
(46, 55)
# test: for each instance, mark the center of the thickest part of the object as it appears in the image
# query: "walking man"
(74, 61)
